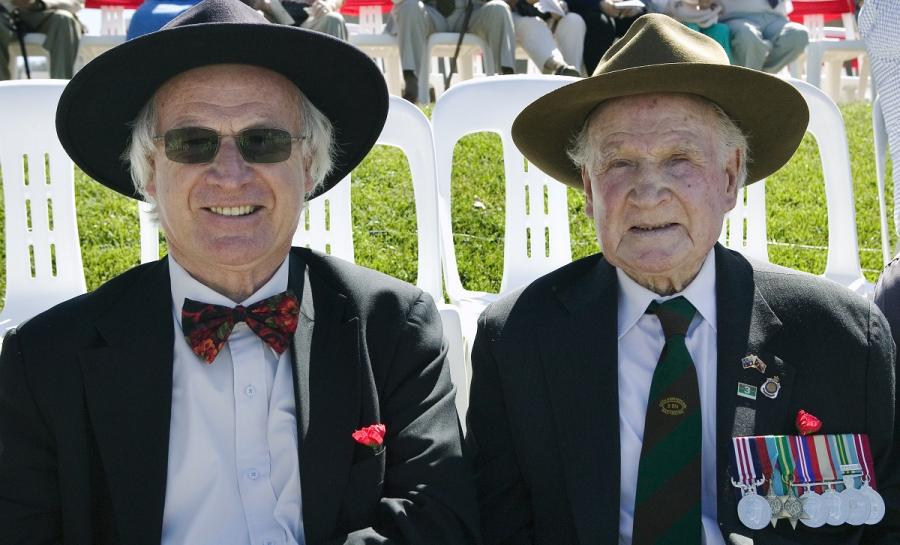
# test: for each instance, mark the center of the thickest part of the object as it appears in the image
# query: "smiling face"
(659, 185)
(229, 222)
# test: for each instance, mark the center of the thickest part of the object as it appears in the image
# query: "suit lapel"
(579, 352)
(746, 326)
(327, 386)
(128, 392)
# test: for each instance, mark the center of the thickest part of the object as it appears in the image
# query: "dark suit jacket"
(85, 405)
(543, 419)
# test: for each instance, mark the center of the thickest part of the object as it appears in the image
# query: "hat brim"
(771, 113)
(102, 100)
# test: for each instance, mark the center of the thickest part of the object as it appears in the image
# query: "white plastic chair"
(832, 47)
(881, 144)
(536, 238)
(369, 36)
(113, 25)
(443, 44)
(43, 256)
(326, 225)
(34, 47)
(745, 226)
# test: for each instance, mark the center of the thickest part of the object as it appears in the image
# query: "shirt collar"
(701, 292)
(185, 286)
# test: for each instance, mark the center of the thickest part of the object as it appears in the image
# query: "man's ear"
(588, 193)
(733, 164)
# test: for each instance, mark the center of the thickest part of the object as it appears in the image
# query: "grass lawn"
(385, 225)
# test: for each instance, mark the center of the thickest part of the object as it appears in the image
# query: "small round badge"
(771, 387)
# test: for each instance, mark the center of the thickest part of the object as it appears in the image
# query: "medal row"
(816, 480)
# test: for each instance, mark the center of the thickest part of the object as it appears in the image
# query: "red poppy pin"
(370, 436)
(807, 423)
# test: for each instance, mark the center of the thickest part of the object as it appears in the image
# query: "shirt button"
(250, 390)
(252, 474)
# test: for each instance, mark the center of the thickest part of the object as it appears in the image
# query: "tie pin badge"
(752, 361)
(672, 406)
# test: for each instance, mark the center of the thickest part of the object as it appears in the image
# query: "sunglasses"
(194, 145)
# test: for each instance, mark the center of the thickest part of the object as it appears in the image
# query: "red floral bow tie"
(206, 327)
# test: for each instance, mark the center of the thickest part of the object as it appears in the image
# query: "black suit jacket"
(543, 421)
(85, 405)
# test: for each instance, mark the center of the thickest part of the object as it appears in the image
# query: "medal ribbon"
(803, 460)
(785, 460)
(746, 471)
(814, 457)
(765, 464)
(772, 454)
(850, 445)
(837, 456)
(862, 444)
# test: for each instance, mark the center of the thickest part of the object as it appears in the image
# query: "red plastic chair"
(830, 10)
(351, 7)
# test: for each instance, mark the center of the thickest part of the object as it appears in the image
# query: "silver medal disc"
(754, 511)
(876, 504)
(857, 506)
(814, 511)
(836, 511)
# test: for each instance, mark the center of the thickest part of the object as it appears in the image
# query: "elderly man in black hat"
(669, 391)
(239, 391)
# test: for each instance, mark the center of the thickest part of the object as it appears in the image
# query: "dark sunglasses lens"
(191, 145)
(265, 145)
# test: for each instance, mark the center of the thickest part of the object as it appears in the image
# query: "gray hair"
(730, 135)
(318, 144)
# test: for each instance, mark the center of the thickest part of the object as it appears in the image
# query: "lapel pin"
(771, 387)
(746, 390)
(752, 361)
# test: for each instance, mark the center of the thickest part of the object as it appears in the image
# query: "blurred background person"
(413, 21)
(605, 22)
(56, 19)
(551, 35)
(762, 37)
(699, 15)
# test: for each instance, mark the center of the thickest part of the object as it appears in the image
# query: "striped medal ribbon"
(793, 507)
(808, 472)
(753, 510)
(858, 507)
(836, 512)
(876, 502)
(776, 494)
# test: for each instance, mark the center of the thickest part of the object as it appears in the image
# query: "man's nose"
(229, 166)
(650, 187)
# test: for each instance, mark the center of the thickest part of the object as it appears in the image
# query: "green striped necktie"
(667, 503)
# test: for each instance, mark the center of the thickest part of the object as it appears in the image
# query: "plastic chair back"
(326, 225)
(879, 131)
(537, 219)
(43, 256)
(745, 228)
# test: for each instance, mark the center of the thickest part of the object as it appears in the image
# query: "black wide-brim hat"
(660, 55)
(102, 100)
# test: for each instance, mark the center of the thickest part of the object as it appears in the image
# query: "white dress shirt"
(233, 473)
(640, 341)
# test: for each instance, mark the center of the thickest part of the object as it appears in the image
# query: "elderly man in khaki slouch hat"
(668, 390)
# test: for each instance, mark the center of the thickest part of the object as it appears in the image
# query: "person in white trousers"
(555, 44)
(879, 24)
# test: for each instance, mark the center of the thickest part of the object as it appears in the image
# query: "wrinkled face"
(659, 185)
(228, 215)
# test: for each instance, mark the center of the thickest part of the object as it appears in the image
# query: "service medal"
(814, 512)
(858, 507)
(834, 507)
(793, 508)
(754, 511)
(876, 504)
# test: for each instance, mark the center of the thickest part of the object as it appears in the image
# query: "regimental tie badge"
(752, 361)
(672, 406)
(746, 390)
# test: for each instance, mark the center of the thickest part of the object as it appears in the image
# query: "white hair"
(731, 137)
(317, 145)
